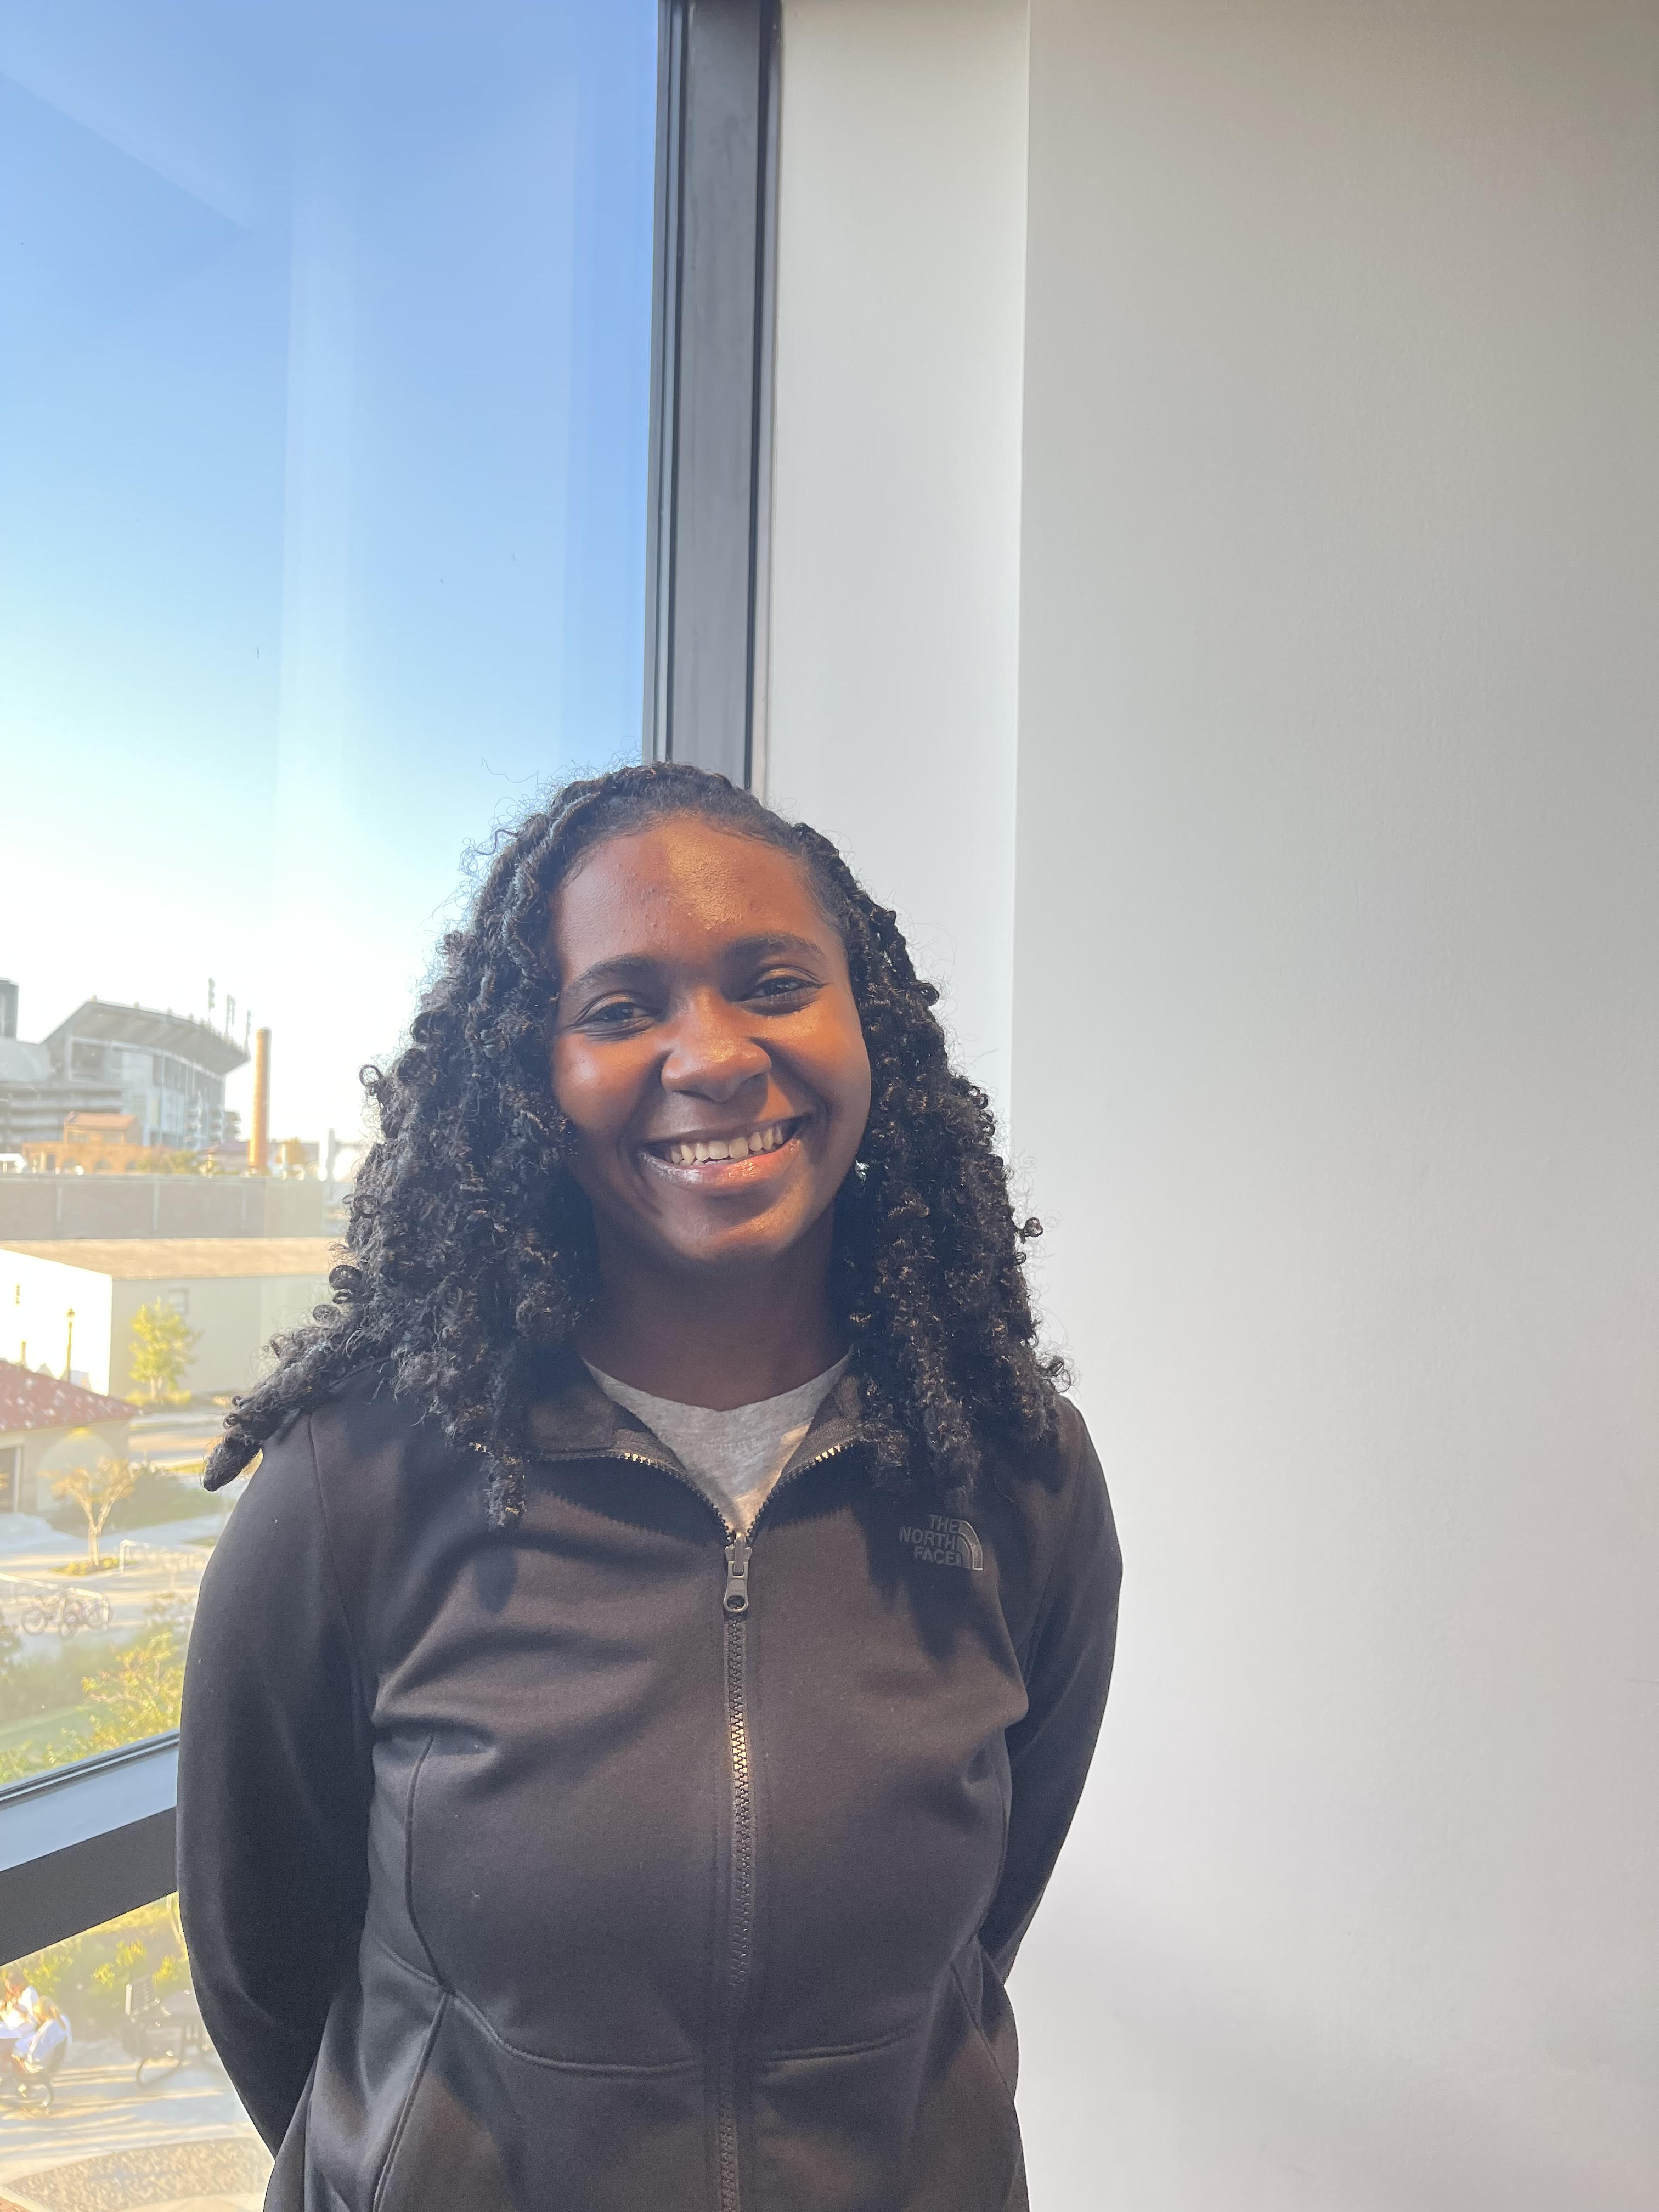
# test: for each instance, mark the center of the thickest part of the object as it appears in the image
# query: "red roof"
(28, 1401)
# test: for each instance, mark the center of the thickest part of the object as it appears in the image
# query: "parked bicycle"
(67, 1610)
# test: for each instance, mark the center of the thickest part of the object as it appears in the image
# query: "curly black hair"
(471, 1251)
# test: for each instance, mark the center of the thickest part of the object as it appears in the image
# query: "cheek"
(850, 1087)
(584, 1091)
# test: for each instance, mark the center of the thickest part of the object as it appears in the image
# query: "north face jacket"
(611, 1862)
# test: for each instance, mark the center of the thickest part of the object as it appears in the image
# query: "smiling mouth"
(747, 1145)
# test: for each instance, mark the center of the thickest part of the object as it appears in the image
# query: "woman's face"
(707, 1052)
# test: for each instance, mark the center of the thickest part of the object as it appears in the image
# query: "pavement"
(182, 2144)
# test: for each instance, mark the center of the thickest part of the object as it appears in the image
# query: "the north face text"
(943, 1541)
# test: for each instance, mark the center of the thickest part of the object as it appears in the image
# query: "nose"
(711, 1053)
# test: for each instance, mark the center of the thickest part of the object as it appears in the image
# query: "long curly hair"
(469, 1252)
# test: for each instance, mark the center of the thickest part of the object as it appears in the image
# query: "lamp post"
(69, 1342)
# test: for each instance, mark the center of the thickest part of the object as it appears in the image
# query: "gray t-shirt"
(734, 1457)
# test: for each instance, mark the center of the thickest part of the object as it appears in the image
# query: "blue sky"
(324, 386)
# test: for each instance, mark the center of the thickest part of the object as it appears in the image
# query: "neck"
(718, 1339)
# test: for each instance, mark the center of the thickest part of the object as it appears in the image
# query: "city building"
(91, 1143)
(166, 1072)
(48, 1426)
(69, 1302)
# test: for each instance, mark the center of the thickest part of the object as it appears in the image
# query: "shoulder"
(367, 1441)
(345, 1487)
(1045, 1479)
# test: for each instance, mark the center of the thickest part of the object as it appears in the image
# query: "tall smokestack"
(259, 1151)
(7, 1009)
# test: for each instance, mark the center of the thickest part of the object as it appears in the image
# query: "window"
(383, 433)
(325, 439)
(129, 2106)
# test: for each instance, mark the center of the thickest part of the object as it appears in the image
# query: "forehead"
(680, 889)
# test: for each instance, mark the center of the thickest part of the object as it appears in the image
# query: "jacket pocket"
(922, 2124)
(487, 2128)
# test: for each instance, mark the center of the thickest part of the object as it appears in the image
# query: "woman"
(633, 1712)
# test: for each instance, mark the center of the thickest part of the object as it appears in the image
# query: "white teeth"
(727, 1148)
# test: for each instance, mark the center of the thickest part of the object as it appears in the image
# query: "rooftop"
(180, 1259)
(182, 1035)
(28, 1401)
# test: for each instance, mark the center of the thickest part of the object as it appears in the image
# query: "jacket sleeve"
(274, 1775)
(1069, 1668)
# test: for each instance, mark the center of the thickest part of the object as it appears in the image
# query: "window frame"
(82, 1843)
(719, 99)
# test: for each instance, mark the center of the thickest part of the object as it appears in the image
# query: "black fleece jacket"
(608, 1863)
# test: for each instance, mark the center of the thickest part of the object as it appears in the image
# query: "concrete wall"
(34, 1207)
(1334, 1057)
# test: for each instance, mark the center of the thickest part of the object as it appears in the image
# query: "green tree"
(97, 1491)
(136, 1693)
(162, 1342)
(139, 1692)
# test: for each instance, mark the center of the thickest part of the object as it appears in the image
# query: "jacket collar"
(575, 1419)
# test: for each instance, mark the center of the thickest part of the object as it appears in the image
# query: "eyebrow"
(641, 967)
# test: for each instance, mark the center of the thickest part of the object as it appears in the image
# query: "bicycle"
(27, 2084)
(67, 1611)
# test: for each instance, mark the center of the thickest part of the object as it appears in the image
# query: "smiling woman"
(708, 1058)
(684, 1247)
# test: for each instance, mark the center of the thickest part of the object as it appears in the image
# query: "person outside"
(44, 2046)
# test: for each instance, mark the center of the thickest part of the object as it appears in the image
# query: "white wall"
(36, 1297)
(234, 1316)
(894, 625)
(1335, 1050)
(1336, 1053)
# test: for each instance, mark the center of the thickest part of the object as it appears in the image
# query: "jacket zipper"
(734, 1604)
(741, 1921)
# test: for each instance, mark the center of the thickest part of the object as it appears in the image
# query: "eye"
(782, 986)
(621, 1014)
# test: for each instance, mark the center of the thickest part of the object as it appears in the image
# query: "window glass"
(110, 2093)
(324, 396)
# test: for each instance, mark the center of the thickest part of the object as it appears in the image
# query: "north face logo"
(943, 1541)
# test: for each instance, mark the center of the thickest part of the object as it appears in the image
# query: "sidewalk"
(183, 2145)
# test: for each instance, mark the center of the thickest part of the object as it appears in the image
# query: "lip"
(727, 1175)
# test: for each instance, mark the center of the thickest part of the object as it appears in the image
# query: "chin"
(753, 1245)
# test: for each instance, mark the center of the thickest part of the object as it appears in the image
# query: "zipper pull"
(737, 1575)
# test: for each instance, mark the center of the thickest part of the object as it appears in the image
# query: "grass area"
(40, 1730)
(38, 1695)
